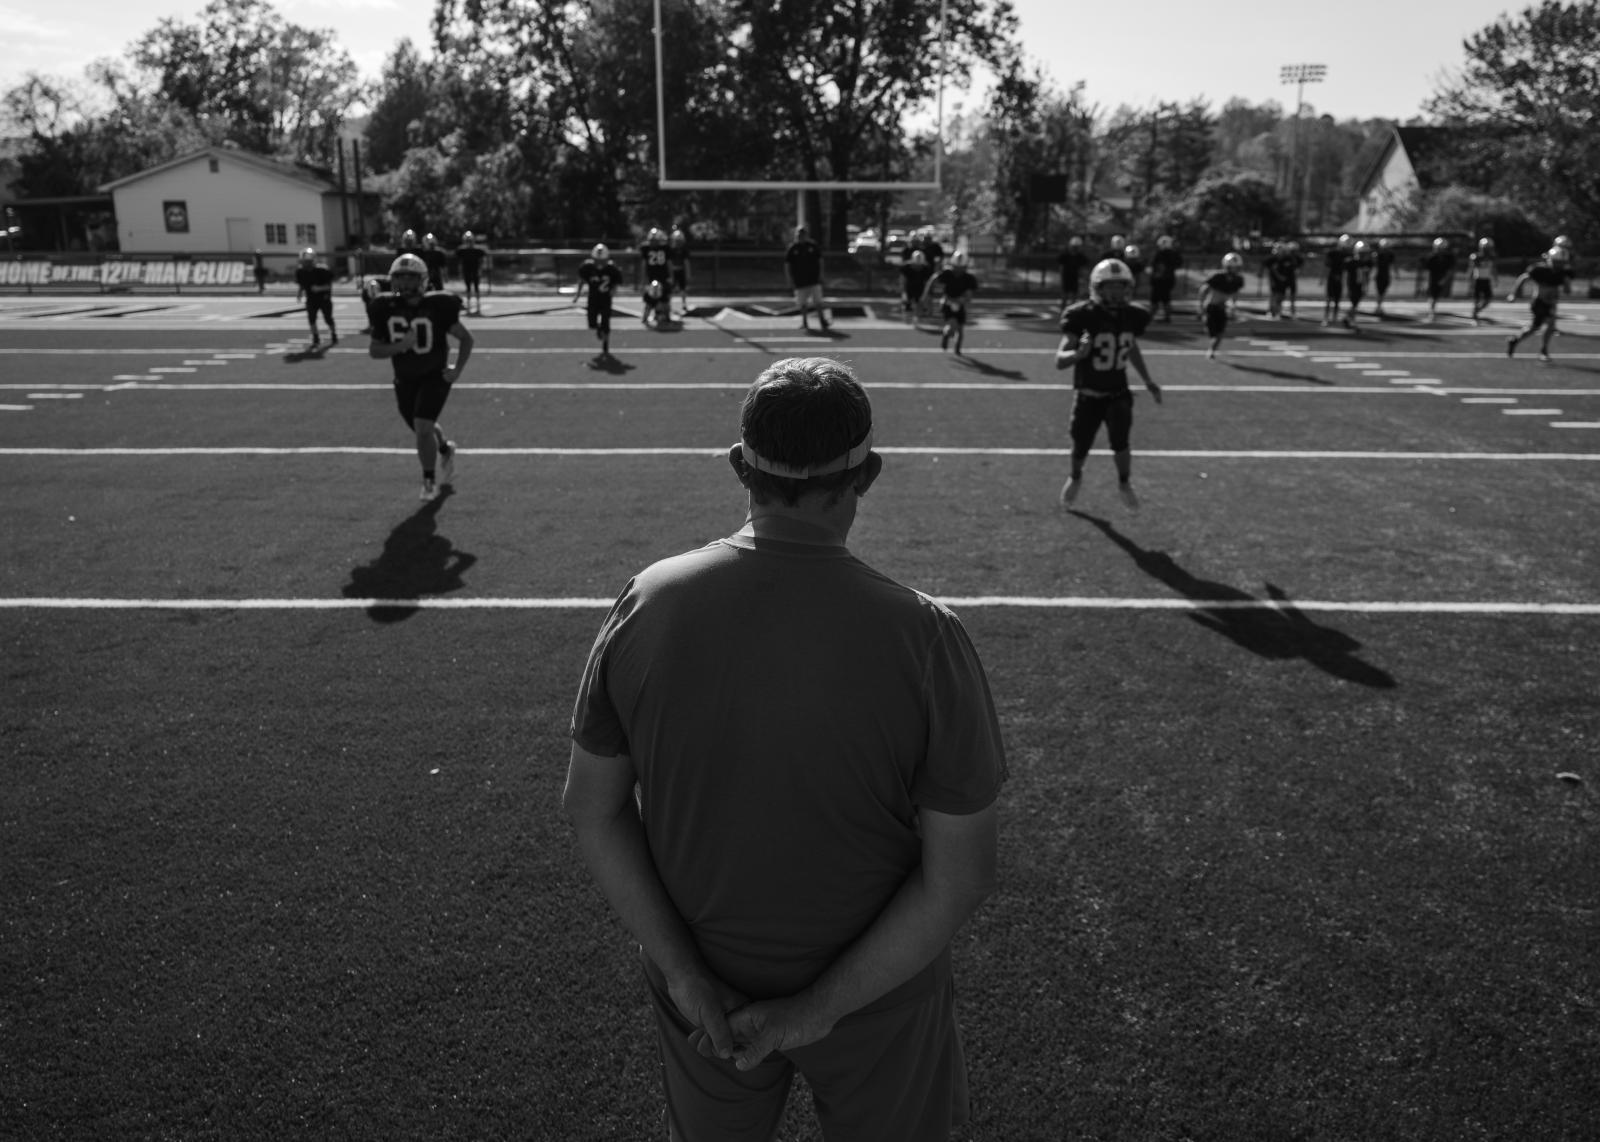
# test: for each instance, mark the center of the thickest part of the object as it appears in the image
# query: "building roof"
(1434, 153)
(302, 174)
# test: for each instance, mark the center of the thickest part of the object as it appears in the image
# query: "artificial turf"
(1266, 872)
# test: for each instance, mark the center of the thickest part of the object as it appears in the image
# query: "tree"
(1531, 90)
(1222, 209)
(405, 99)
(274, 86)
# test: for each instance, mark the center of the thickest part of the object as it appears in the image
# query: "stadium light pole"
(1299, 74)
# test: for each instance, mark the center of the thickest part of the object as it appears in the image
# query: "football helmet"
(467, 239)
(1232, 263)
(600, 253)
(959, 259)
(1485, 244)
(1559, 255)
(409, 238)
(429, 241)
(1074, 243)
(677, 237)
(1562, 241)
(1111, 281)
(918, 258)
(655, 235)
(308, 254)
(1384, 243)
(1130, 252)
(1360, 249)
(1440, 244)
(1345, 241)
(407, 275)
(1164, 242)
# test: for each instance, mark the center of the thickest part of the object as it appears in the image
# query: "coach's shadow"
(1279, 631)
(310, 353)
(416, 561)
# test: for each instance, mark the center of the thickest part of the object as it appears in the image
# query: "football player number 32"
(424, 328)
(1111, 351)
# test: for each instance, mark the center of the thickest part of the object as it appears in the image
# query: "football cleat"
(1070, 490)
(430, 491)
(447, 465)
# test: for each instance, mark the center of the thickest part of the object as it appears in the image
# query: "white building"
(220, 200)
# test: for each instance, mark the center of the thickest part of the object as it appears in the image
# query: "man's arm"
(382, 350)
(463, 337)
(956, 874)
(598, 800)
(1136, 359)
(1074, 347)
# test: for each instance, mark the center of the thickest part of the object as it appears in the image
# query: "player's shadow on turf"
(1277, 631)
(416, 561)
(606, 363)
(1279, 373)
(973, 364)
(310, 353)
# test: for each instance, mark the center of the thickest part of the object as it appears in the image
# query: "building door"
(239, 234)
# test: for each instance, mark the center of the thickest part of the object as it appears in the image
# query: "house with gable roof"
(1414, 160)
(222, 199)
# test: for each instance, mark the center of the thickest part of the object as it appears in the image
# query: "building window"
(214, 165)
(305, 233)
(175, 212)
(277, 234)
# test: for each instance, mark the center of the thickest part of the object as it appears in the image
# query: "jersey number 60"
(424, 328)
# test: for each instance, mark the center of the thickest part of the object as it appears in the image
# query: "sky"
(1383, 57)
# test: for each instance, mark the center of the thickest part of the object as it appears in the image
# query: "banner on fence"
(200, 272)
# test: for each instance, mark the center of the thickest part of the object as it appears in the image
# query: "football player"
(1133, 258)
(412, 327)
(1382, 272)
(599, 278)
(678, 263)
(1357, 273)
(314, 282)
(433, 256)
(915, 274)
(1073, 260)
(1550, 275)
(1164, 267)
(958, 285)
(802, 265)
(1219, 298)
(655, 267)
(1279, 266)
(470, 257)
(1440, 266)
(1099, 340)
(1333, 281)
(1480, 268)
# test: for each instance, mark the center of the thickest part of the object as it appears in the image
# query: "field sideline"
(1300, 838)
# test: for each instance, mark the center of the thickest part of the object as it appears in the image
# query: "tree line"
(536, 120)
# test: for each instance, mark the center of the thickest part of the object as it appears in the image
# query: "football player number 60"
(1111, 351)
(424, 328)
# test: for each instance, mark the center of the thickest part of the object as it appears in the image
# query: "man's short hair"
(804, 412)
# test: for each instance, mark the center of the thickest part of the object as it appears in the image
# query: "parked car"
(896, 243)
(865, 243)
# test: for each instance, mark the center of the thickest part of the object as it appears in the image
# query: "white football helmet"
(1345, 241)
(1232, 263)
(655, 235)
(409, 238)
(309, 254)
(1440, 244)
(1111, 281)
(407, 275)
(600, 253)
(1559, 255)
(467, 239)
(959, 259)
(1562, 241)
(1130, 252)
(1164, 243)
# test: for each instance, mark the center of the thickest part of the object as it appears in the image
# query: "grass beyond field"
(1287, 850)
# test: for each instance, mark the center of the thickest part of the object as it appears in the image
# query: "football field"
(1300, 839)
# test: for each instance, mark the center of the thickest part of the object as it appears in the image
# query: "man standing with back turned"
(794, 879)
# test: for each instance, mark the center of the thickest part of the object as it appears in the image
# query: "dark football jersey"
(1335, 260)
(1164, 265)
(656, 259)
(1384, 262)
(958, 285)
(470, 259)
(1440, 265)
(915, 278)
(432, 316)
(1548, 280)
(1280, 270)
(677, 256)
(602, 280)
(804, 259)
(1113, 331)
(315, 278)
(1224, 286)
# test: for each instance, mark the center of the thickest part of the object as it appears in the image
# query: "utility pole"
(1299, 74)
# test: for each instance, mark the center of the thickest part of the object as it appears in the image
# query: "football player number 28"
(1111, 351)
(424, 328)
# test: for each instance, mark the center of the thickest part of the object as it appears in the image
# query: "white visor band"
(856, 456)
